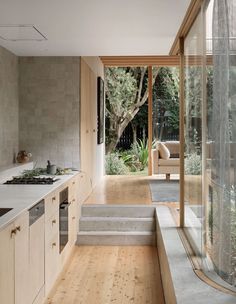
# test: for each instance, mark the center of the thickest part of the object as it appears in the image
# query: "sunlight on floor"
(111, 274)
(124, 190)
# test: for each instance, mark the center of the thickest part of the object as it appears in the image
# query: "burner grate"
(31, 181)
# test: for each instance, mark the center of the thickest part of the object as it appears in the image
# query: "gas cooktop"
(31, 181)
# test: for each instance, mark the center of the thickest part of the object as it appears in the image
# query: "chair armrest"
(155, 155)
(155, 160)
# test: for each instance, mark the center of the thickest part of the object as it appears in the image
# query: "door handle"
(13, 232)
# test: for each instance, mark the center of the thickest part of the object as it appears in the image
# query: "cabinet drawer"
(52, 227)
(51, 205)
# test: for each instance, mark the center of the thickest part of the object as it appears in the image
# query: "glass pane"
(193, 135)
(220, 146)
(165, 117)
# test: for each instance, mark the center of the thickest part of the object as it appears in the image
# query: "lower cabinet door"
(84, 187)
(51, 262)
(7, 291)
(36, 258)
(73, 222)
(22, 260)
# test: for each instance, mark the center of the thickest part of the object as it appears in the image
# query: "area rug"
(164, 191)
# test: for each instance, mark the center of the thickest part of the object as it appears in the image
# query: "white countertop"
(23, 197)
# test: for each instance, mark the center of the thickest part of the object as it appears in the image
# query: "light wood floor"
(110, 274)
(119, 189)
(124, 190)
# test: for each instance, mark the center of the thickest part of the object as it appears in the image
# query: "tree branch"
(141, 85)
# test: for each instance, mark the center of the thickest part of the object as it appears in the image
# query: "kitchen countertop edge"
(10, 199)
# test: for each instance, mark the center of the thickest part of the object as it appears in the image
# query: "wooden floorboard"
(110, 275)
(124, 190)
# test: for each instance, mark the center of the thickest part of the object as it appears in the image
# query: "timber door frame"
(150, 62)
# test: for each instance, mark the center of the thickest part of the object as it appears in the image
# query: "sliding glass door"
(193, 134)
(210, 139)
(220, 146)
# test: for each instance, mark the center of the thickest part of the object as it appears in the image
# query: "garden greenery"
(114, 165)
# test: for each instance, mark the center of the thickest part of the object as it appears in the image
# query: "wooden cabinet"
(84, 187)
(14, 264)
(73, 211)
(36, 258)
(7, 291)
(88, 120)
(30, 258)
(22, 259)
(51, 262)
(52, 266)
(73, 222)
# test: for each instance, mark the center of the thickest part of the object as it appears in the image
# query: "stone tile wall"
(8, 107)
(49, 112)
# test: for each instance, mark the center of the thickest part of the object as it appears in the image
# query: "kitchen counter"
(22, 197)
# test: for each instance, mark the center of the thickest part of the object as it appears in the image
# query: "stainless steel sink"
(4, 211)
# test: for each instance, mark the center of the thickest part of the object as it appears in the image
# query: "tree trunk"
(144, 133)
(120, 123)
(134, 129)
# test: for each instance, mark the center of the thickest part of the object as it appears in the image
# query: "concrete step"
(116, 238)
(131, 211)
(116, 224)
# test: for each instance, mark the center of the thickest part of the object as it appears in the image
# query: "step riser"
(111, 240)
(117, 211)
(117, 225)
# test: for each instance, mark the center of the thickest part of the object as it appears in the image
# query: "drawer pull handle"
(13, 232)
(73, 217)
(73, 200)
(73, 183)
(54, 198)
(18, 228)
(54, 221)
(54, 245)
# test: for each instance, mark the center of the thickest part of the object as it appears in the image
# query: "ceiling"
(94, 27)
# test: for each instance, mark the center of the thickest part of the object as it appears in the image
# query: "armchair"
(168, 165)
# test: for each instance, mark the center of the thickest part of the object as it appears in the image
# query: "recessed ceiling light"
(22, 32)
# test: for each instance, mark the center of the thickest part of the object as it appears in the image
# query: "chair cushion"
(174, 155)
(173, 146)
(168, 162)
(163, 151)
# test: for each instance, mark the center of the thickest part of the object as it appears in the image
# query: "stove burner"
(31, 181)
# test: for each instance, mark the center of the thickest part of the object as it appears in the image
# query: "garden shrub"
(193, 164)
(115, 165)
(131, 160)
(140, 150)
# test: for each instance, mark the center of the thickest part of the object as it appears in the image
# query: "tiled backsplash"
(49, 111)
(8, 107)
